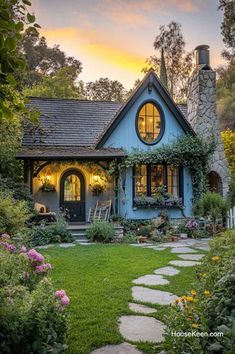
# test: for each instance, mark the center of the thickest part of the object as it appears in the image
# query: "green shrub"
(129, 237)
(19, 190)
(211, 205)
(33, 319)
(211, 305)
(13, 214)
(144, 231)
(52, 233)
(100, 232)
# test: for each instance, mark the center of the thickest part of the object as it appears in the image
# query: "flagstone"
(138, 308)
(151, 279)
(184, 263)
(192, 257)
(141, 329)
(124, 348)
(159, 297)
(167, 271)
(183, 250)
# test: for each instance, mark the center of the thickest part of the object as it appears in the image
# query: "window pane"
(173, 180)
(157, 178)
(72, 188)
(149, 123)
(141, 180)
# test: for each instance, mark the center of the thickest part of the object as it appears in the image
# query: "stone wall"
(203, 118)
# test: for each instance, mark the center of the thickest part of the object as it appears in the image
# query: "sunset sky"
(112, 38)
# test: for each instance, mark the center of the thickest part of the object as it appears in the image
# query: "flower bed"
(33, 315)
(158, 202)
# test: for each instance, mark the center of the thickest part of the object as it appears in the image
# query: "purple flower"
(60, 293)
(192, 225)
(8, 246)
(65, 300)
(35, 257)
(23, 249)
(43, 268)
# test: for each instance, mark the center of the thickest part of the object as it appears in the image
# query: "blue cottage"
(69, 154)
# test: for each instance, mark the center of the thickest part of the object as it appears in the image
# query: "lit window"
(149, 123)
(148, 179)
(72, 189)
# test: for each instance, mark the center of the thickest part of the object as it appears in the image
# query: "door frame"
(79, 174)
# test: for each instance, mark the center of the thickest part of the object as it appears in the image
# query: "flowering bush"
(33, 317)
(211, 307)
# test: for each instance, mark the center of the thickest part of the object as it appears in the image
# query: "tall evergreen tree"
(163, 73)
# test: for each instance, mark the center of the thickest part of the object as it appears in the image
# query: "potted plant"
(47, 187)
(97, 189)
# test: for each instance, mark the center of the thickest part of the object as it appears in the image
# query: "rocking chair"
(101, 212)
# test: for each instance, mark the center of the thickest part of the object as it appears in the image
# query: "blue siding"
(125, 136)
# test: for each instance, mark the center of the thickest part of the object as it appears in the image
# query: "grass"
(98, 280)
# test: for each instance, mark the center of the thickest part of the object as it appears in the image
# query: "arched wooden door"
(72, 195)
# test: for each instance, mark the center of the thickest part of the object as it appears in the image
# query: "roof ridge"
(73, 99)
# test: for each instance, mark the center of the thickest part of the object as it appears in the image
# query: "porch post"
(28, 174)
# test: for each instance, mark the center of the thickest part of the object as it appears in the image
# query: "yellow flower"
(193, 292)
(206, 292)
(194, 325)
(189, 298)
(215, 258)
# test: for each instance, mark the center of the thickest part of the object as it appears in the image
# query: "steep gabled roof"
(69, 122)
(149, 81)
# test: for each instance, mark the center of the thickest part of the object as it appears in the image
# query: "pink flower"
(5, 236)
(43, 268)
(60, 293)
(23, 249)
(65, 300)
(35, 257)
(8, 246)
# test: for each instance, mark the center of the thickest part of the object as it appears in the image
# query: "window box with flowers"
(47, 187)
(97, 189)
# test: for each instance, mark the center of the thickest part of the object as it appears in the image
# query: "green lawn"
(98, 280)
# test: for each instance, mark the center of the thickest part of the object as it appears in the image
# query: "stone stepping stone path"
(124, 348)
(184, 263)
(66, 245)
(141, 329)
(191, 257)
(151, 279)
(170, 271)
(141, 308)
(183, 250)
(155, 297)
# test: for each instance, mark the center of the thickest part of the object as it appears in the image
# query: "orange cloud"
(97, 45)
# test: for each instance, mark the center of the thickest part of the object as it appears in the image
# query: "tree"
(105, 89)
(228, 137)
(228, 27)
(61, 85)
(14, 16)
(226, 96)
(42, 60)
(178, 62)
(163, 73)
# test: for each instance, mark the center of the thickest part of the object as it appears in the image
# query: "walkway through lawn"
(98, 279)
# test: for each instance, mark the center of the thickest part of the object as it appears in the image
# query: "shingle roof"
(71, 128)
(66, 122)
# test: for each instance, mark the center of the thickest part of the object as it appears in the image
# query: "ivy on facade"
(188, 151)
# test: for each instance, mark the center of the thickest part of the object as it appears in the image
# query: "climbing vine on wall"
(189, 151)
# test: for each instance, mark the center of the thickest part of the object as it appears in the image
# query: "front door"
(72, 195)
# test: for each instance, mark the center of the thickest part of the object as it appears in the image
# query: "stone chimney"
(202, 115)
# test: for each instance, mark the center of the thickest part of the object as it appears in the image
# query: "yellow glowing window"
(149, 123)
(72, 189)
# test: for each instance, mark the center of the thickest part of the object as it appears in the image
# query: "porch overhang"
(44, 153)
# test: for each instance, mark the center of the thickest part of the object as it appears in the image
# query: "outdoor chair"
(101, 212)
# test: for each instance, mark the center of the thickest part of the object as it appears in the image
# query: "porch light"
(96, 178)
(48, 176)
